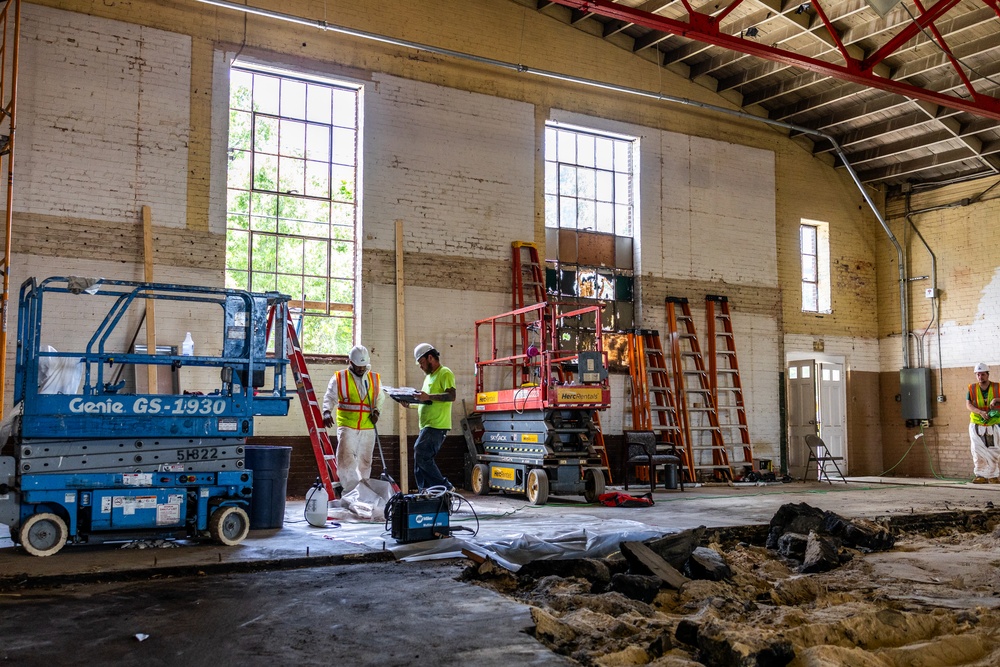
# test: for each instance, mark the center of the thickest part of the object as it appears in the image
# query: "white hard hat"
(981, 368)
(421, 350)
(359, 356)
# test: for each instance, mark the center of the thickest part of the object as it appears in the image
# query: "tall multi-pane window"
(814, 253)
(590, 212)
(809, 250)
(292, 214)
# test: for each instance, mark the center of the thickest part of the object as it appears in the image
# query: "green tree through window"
(291, 206)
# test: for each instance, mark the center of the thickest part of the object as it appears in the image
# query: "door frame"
(817, 358)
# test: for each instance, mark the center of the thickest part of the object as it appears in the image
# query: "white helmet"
(359, 356)
(981, 368)
(420, 350)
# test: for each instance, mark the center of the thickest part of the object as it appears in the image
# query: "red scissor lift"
(533, 430)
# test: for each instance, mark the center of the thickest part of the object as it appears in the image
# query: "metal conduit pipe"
(935, 301)
(323, 25)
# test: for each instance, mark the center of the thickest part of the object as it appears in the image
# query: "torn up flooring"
(930, 600)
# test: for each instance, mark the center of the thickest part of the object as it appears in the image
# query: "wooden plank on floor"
(667, 573)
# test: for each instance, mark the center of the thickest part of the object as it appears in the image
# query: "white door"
(801, 412)
(832, 417)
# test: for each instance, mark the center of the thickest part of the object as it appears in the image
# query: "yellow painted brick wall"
(958, 224)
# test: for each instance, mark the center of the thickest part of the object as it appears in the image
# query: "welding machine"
(415, 518)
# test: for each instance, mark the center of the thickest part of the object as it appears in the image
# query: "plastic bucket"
(670, 476)
(270, 484)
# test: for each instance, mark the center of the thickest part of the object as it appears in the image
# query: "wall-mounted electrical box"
(915, 390)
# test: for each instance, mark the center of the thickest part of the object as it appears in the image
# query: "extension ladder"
(527, 275)
(528, 289)
(326, 458)
(654, 401)
(724, 378)
(599, 447)
(699, 418)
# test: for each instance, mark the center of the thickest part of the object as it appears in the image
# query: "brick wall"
(129, 114)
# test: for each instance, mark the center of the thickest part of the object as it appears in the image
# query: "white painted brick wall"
(456, 167)
(103, 118)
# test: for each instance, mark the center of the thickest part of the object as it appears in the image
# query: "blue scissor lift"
(104, 464)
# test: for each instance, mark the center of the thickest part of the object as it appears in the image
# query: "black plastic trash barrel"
(670, 476)
(270, 484)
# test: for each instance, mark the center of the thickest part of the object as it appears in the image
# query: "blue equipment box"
(417, 518)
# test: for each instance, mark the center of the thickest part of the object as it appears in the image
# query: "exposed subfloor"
(302, 595)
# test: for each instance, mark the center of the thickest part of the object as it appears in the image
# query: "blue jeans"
(425, 469)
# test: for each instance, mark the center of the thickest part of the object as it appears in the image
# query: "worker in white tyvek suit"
(355, 395)
(982, 402)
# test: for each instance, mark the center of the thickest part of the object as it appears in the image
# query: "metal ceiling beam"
(704, 28)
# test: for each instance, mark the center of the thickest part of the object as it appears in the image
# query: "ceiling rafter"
(705, 28)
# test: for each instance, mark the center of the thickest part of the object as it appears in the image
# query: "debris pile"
(822, 590)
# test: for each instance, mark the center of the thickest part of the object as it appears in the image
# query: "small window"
(814, 252)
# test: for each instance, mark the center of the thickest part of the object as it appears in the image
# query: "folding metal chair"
(819, 457)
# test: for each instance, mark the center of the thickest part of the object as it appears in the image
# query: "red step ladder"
(326, 458)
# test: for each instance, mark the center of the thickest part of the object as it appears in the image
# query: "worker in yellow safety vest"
(982, 401)
(355, 395)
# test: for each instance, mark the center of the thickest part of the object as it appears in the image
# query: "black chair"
(640, 451)
(819, 457)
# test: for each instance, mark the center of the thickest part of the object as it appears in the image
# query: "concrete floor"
(284, 580)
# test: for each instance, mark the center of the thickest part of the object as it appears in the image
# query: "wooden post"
(401, 358)
(147, 255)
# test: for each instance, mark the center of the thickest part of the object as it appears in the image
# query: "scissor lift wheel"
(43, 534)
(537, 487)
(480, 481)
(593, 484)
(229, 525)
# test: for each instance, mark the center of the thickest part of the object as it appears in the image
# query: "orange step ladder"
(724, 379)
(326, 458)
(653, 399)
(699, 418)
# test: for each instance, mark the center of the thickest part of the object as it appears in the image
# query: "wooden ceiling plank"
(908, 167)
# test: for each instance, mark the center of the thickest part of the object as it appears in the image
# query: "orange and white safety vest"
(354, 411)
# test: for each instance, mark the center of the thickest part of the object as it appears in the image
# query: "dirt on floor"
(933, 600)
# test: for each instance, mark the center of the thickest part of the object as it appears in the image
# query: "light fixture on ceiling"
(752, 31)
(804, 7)
(882, 7)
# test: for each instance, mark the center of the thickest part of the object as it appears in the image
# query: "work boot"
(994, 480)
(980, 480)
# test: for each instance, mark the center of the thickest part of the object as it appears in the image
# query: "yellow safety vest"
(352, 410)
(983, 403)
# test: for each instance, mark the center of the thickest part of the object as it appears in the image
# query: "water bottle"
(187, 347)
